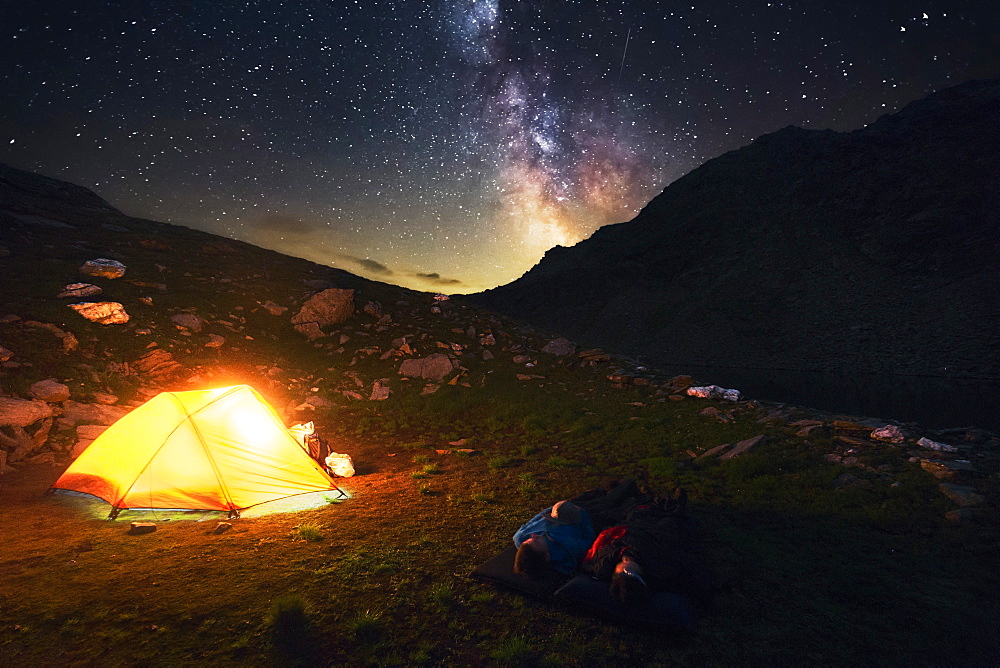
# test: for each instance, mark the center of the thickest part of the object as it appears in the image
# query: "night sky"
(444, 145)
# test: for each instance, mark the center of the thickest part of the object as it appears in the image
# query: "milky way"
(444, 145)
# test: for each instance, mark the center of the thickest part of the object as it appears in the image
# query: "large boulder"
(103, 313)
(328, 307)
(50, 391)
(22, 412)
(433, 367)
(103, 267)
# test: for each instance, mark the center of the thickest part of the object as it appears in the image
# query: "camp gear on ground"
(340, 464)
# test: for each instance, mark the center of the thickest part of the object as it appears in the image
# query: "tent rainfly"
(222, 449)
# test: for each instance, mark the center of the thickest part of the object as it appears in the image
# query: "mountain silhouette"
(873, 250)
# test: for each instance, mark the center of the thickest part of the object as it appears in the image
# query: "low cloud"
(283, 223)
(436, 279)
(373, 266)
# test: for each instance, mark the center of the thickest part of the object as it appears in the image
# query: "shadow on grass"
(292, 632)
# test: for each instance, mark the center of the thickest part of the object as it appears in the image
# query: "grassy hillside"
(831, 547)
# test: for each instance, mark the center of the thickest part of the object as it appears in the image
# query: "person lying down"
(656, 549)
(557, 537)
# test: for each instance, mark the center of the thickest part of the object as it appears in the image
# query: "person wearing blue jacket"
(555, 538)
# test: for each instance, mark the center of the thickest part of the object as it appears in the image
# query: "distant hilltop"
(873, 250)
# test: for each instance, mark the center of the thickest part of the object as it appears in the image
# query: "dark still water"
(931, 402)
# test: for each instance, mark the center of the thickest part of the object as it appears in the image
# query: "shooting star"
(621, 67)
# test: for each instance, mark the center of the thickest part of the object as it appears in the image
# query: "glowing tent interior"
(221, 449)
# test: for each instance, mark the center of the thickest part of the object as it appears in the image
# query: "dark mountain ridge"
(871, 250)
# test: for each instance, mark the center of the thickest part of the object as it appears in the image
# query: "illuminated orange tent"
(223, 449)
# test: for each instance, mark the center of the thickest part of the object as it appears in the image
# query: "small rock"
(50, 391)
(90, 432)
(222, 527)
(936, 469)
(139, 528)
(103, 313)
(69, 342)
(187, 321)
(713, 451)
(487, 355)
(215, 341)
(561, 347)
(103, 267)
(744, 446)
(889, 433)
(713, 392)
(961, 494)
(310, 330)
(934, 445)
(848, 424)
(105, 398)
(159, 366)
(434, 367)
(274, 309)
(429, 388)
(22, 412)
(79, 290)
(5, 354)
(154, 244)
(849, 480)
(380, 390)
(960, 515)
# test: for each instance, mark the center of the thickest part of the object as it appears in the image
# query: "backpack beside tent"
(222, 449)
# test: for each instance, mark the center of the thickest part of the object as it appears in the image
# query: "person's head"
(565, 512)
(627, 584)
(532, 558)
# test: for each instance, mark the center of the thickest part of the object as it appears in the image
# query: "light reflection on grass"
(90, 507)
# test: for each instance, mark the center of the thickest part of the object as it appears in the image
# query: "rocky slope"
(872, 250)
(101, 311)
